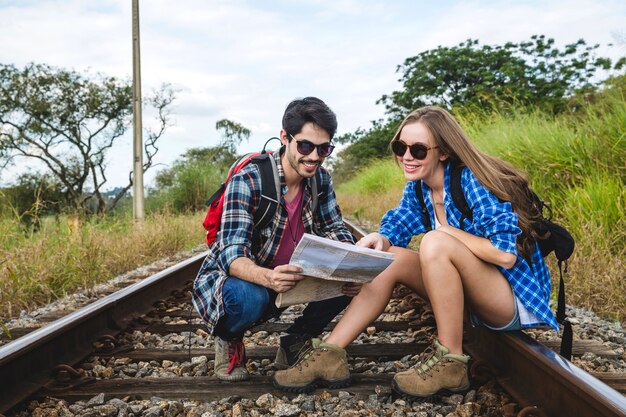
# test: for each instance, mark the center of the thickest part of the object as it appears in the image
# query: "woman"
(482, 265)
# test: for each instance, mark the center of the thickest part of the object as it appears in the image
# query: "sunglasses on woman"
(418, 150)
(306, 147)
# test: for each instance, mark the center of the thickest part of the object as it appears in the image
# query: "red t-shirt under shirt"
(293, 232)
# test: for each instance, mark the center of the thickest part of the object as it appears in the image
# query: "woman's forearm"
(481, 247)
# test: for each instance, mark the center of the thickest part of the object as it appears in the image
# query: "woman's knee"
(436, 246)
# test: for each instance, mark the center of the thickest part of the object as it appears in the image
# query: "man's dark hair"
(309, 109)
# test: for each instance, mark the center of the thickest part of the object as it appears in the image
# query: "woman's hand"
(374, 241)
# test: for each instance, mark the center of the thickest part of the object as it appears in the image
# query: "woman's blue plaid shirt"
(238, 237)
(492, 219)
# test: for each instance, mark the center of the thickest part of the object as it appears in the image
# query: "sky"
(246, 60)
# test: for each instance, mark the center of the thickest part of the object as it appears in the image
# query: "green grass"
(70, 253)
(372, 191)
(576, 162)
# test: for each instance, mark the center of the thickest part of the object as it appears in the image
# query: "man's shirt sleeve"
(235, 235)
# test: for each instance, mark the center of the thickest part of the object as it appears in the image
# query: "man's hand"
(351, 289)
(374, 241)
(284, 277)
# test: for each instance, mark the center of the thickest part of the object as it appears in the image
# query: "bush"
(191, 181)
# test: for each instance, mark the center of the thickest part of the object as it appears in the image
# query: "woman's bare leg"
(451, 273)
(445, 273)
(374, 297)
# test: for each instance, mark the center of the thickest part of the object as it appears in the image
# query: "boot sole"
(233, 378)
(414, 397)
(318, 383)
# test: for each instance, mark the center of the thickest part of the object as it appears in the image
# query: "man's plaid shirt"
(492, 219)
(238, 237)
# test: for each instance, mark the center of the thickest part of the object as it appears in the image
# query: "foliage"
(364, 145)
(69, 121)
(233, 134)
(31, 197)
(197, 173)
(191, 180)
(479, 81)
(534, 72)
(575, 161)
(561, 151)
(375, 189)
(70, 253)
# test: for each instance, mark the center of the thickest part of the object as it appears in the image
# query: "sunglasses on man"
(418, 150)
(306, 147)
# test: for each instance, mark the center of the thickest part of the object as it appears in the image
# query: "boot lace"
(304, 350)
(428, 361)
(236, 355)
(307, 354)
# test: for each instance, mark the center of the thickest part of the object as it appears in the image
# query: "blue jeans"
(247, 304)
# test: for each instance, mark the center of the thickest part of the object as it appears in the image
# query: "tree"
(32, 196)
(197, 173)
(191, 179)
(233, 134)
(69, 121)
(470, 77)
(486, 77)
(364, 145)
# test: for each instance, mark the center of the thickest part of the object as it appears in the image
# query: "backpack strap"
(420, 197)
(270, 190)
(216, 194)
(234, 168)
(561, 317)
(458, 197)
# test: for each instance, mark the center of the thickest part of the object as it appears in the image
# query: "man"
(246, 268)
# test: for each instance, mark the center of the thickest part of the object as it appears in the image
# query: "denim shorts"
(514, 324)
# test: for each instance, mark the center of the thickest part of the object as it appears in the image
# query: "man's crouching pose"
(247, 267)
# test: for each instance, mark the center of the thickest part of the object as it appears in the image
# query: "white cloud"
(245, 60)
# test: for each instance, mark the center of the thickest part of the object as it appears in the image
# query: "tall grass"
(372, 191)
(575, 162)
(69, 253)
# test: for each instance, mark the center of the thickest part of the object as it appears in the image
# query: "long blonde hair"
(499, 177)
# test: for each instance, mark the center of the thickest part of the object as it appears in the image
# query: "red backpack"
(270, 190)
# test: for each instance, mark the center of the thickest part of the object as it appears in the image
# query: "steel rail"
(27, 363)
(531, 373)
(536, 376)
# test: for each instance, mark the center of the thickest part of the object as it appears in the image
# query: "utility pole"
(138, 206)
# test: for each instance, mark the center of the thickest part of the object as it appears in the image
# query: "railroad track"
(81, 356)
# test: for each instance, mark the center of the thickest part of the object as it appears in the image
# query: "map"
(328, 265)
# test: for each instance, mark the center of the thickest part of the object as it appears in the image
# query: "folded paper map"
(328, 265)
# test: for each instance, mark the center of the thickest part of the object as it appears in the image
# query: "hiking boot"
(290, 349)
(437, 372)
(322, 365)
(230, 360)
